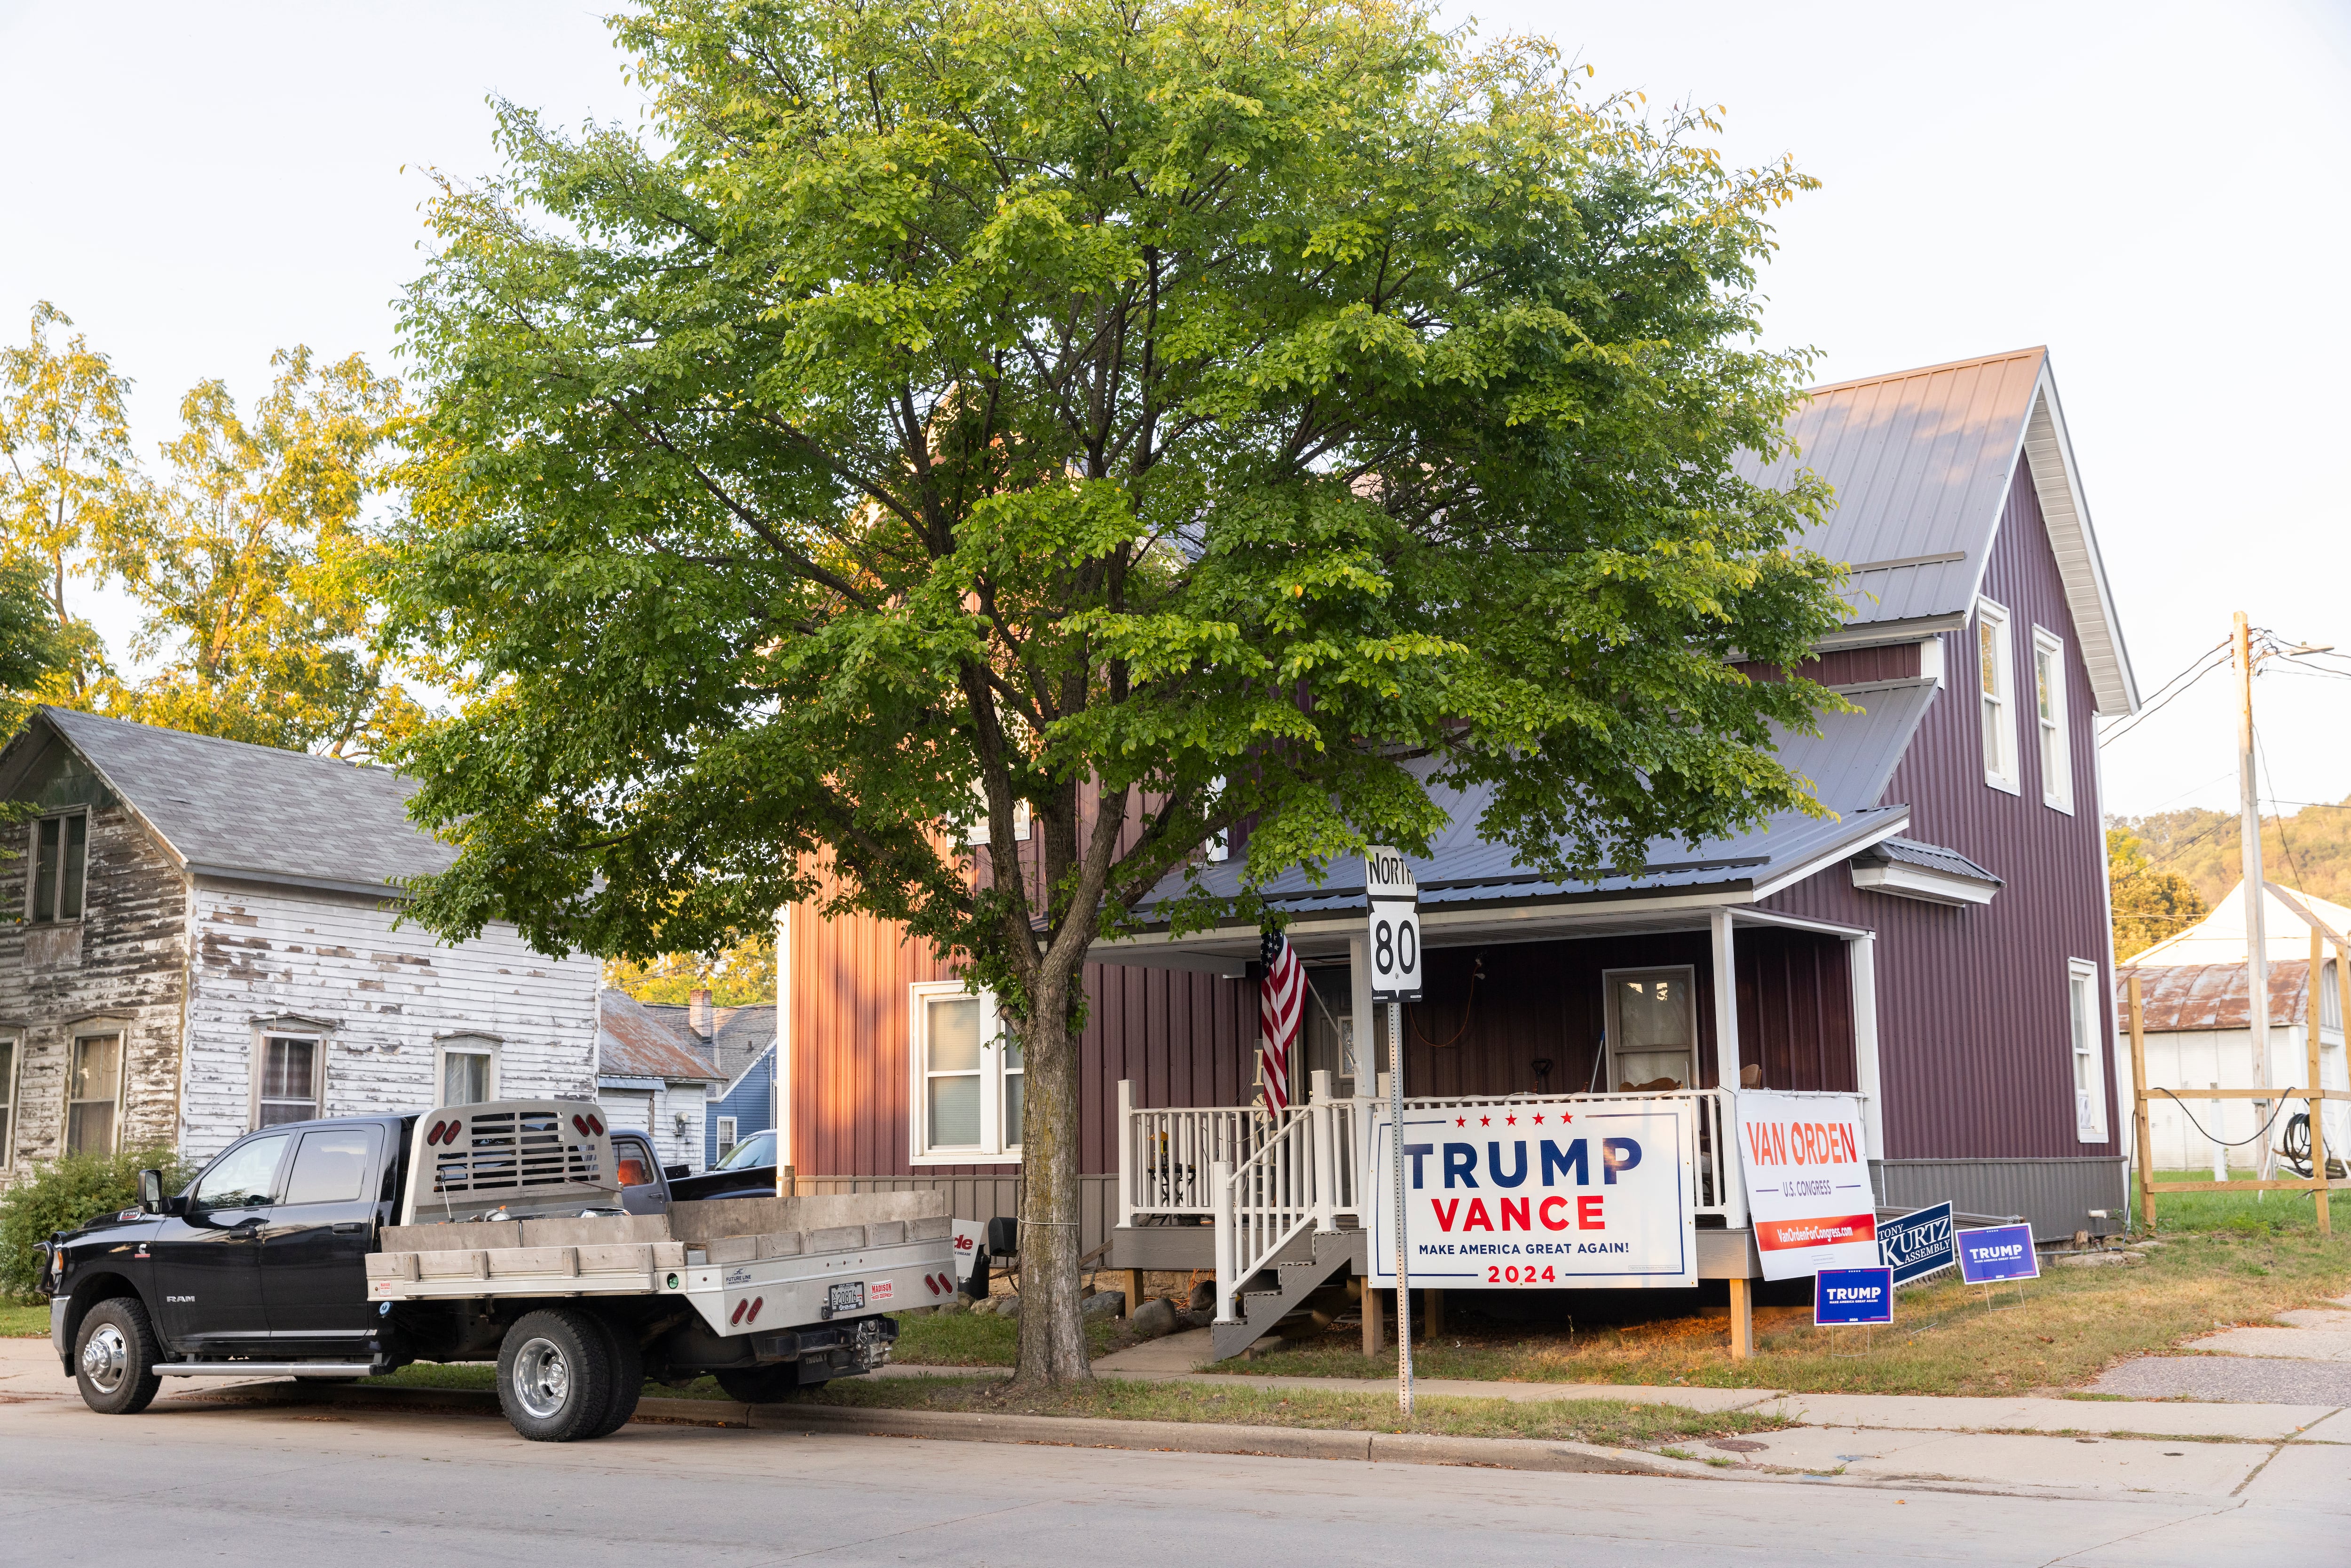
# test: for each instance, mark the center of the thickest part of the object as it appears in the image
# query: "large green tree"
(252, 561)
(1177, 417)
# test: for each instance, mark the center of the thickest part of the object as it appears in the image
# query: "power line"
(2164, 698)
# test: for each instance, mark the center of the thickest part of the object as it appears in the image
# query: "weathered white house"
(2194, 992)
(199, 937)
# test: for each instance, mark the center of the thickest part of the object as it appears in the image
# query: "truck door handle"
(351, 1227)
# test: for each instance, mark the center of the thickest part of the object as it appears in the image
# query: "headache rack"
(511, 1158)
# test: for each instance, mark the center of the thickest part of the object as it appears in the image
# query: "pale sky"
(2157, 192)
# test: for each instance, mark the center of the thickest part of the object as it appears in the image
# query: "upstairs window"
(2049, 715)
(8, 1101)
(969, 1078)
(93, 1093)
(60, 861)
(291, 1081)
(1996, 685)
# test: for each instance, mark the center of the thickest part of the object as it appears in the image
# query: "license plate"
(848, 1296)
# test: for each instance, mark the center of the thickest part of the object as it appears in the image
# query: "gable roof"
(635, 1040)
(2177, 998)
(228, 809)
(1922, 462)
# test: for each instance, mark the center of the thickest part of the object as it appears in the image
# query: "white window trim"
(1609, 1013)
(993, 1149)
(1989, 615)
(977, 834)
(450, 1045)
(33, 863)
(2082, 978)
(725, 1135)
(13, 1083)
(2057, 782)
(262, 1035)
(94, 1028)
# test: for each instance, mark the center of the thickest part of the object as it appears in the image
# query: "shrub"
(64, 1194)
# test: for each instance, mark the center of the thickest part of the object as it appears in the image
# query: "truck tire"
(115, 1355)
(555, 1375)
(762, 1385)
(628, 1377)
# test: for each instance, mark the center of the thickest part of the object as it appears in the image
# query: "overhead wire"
(2210, 661)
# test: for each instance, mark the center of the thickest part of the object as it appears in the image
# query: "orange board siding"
(1181, 1038)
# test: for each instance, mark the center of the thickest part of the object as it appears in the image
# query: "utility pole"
(2256, 898)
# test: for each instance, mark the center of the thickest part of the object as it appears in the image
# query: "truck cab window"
(243, 1177)
(331, 1166)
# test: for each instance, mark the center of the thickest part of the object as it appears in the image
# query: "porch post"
(1325, 1163)
(1375, 1337)
(1861, 952)
(1359, 1001)
(1743, 1317)
(1125, 1135)
(1225, 1221)
(1726, 1005)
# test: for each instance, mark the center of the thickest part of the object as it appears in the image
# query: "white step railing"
(1164, 1156)
(1291, 1184)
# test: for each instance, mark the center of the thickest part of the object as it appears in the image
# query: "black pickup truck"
(261, 1267)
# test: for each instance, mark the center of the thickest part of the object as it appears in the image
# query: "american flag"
(1281, 1008)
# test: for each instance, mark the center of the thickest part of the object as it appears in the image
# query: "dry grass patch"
(1610, 1423)
(2071, 1326)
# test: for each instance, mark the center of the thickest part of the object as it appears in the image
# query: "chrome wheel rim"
(105, 1358)
(542, 1378)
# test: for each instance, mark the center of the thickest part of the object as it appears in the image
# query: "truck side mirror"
(150, 1191)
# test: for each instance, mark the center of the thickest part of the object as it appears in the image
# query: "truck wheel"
(628, 1377)
(759, 1385)
(114, 1358)
(555, 1375)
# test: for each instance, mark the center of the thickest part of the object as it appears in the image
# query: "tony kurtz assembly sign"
(1807, 1182)
(1540, 1193)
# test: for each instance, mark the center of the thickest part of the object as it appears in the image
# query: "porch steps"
(1294, 1280)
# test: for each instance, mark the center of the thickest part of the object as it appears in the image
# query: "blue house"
(741, 1045)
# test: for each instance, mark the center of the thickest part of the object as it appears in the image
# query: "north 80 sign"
(1395, 931)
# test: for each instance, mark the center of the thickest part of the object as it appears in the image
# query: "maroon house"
(1940, 947)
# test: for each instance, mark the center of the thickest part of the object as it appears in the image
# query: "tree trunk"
(1052, 1335)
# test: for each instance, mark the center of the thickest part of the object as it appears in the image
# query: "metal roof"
(227, 808)
(634, 1041)
(1921, 462)
(1849, 764)
(2175, 997)
(1928, 857)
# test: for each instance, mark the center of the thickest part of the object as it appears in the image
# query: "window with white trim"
(94, 1093)
(967, 1078)
(977, 833)
(2049, 719)
(289, 1079)
(727, 1139)
(2089, 1065)
(466, 1067)
(8, 1101)
(1220, 845)
(59, 869)
(1996, 687)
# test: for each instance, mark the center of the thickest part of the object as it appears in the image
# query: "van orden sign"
(1541, 1194)
(1807, 1182)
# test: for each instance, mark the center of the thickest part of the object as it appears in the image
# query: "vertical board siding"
(388, 993)
(126, 958)
(1183, 1040)
(1973, 1015)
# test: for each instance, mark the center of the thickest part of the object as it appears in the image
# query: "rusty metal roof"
(633, 1040)
(2178, 997)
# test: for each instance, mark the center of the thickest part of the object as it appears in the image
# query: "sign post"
(1393, 897)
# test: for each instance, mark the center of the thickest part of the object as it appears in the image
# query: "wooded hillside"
(2309, 851)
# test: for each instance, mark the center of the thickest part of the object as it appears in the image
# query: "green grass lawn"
(962, 1339)
(2071, 1326)
(24, 1320)
(2242, 1213)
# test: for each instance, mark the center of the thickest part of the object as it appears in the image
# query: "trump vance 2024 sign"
(1540, 1193)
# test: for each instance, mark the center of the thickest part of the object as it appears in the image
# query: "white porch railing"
(1169, 1160)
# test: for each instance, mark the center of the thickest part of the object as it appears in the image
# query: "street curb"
(1059, 1431)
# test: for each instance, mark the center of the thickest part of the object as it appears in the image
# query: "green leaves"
(1175, 415)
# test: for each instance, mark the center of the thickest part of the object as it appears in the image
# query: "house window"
(967, 1079)
(469, 1071)
(60, 861)
(725, 1137)
(1652, 1028)
(977, 833)
(2089, 1071)
(2049, 713)
(94, 1094)
(1220, 845)
(1996, 682)
(2330, 1009)
(292, 1080)
(8, 1101)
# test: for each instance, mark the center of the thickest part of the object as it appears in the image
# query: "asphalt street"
(316, 1487)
